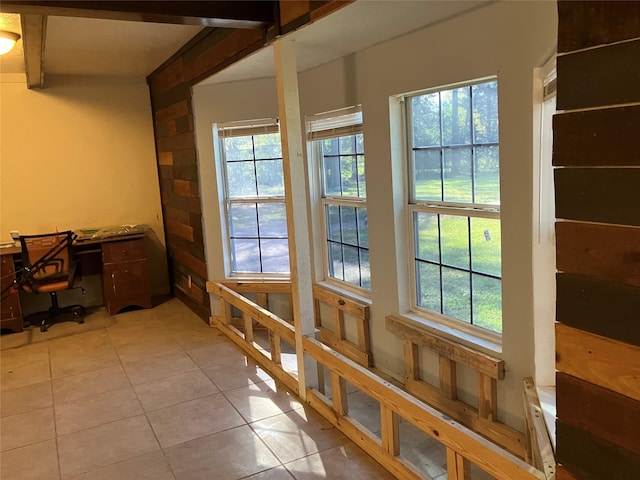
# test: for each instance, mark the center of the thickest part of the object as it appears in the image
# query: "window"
(454, 202)
(254, 197)
(338, 146)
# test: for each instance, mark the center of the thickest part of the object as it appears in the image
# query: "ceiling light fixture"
(7, 41)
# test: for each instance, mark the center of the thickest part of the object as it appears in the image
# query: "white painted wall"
(80, 153)
(505, 39)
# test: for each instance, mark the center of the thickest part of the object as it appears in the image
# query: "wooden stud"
(411, 360)
(455, 465)
(338, 323)
(447, 377)
(390, 430)
(296, 189)
(262, 299)
(248, 327)
(339, 394)
(364, 335)
(275, 347)
(487, 397)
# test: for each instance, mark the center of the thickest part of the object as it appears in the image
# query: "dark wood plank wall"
(170, 89)
(597, 158)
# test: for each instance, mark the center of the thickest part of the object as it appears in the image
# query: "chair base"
(55, 314)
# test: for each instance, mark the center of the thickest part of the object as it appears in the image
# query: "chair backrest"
(48, 255)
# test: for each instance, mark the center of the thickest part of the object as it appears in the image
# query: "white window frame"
(241, 129)
(466, 210)
(331, 125)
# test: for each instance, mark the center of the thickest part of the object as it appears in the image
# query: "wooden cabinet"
(10, 313)
(124, 273)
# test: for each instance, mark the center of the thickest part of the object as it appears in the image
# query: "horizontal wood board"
(611, 364)
(607, 309)
(591, 458)
(599, 77)
(605, 137)
(591, 23)
(605, 252)
(598, 411)
(606, 195)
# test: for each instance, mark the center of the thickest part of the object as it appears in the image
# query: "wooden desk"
(120, 260)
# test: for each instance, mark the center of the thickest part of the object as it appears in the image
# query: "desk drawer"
(122, 251)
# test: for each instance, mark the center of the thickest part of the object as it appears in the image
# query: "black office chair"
(49, 267)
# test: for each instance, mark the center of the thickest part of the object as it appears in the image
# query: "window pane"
(334, 231)
(362, 181)
(330, 146)
(275, 255)
(349, 173)
(428, 286)
(349, 227)
(427, 174)
(485, 112)
(359, 143)
(273, 220)
(427, 237)
(486, 246)
(487, 303)
(456, 296)
(454, 236)
(270, 178)
(331, 166)
(241, 179)
(426, 120)
(243, 219)
(363, 229)
(238, 148)
(458, 186)
(487, 181)
(351, 265)
(244, 255)
(365, 268)
(456, 116)
(267, 145)
(347, 145)
(335, 260)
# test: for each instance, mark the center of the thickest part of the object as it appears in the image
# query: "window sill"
(467, 338)
(345, 292)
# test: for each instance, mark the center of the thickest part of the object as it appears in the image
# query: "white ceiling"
(83, 46)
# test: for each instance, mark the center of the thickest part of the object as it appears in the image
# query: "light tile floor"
(156, 395)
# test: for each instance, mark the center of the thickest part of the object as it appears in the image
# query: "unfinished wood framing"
(463, 445)
(278, 329)
(340, 305)
(464, 442)
(540, 452)
(489, 369)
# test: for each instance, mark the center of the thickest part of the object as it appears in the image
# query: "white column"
(296, 183)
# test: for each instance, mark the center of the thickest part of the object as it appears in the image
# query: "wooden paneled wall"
(597, 177)
(170, 89)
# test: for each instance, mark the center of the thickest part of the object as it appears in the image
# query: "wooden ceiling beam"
(250, 14)
(34, 28)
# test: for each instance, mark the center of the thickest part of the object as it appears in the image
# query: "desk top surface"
(93, 239)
